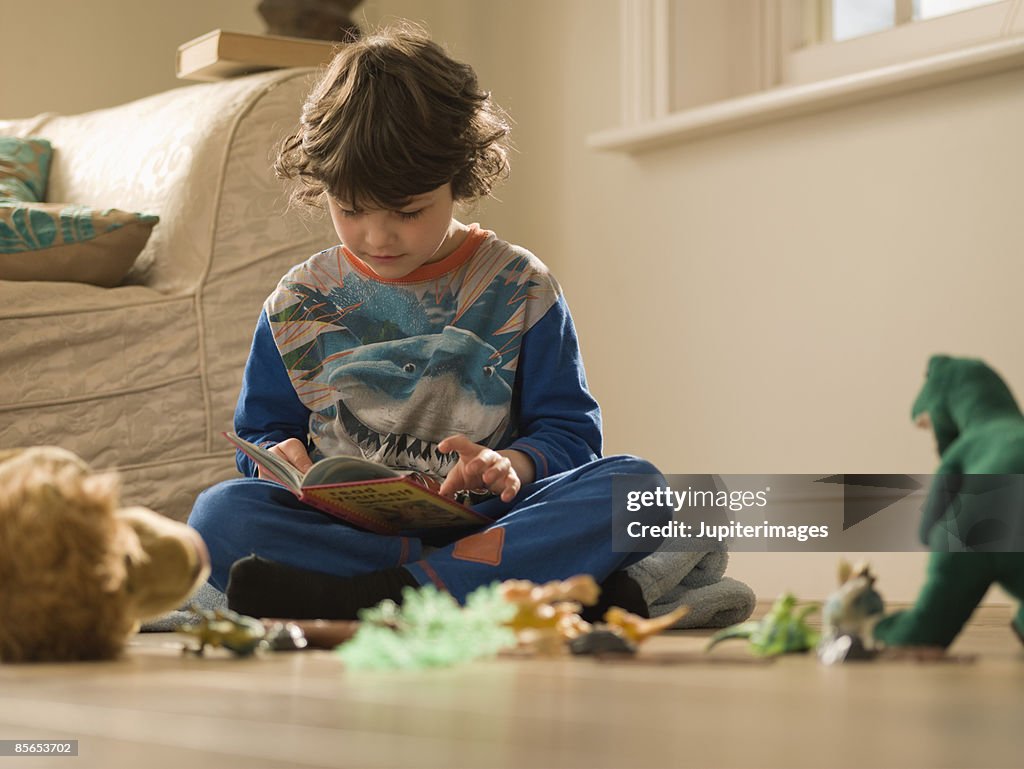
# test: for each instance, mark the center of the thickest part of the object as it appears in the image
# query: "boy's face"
(395, 243)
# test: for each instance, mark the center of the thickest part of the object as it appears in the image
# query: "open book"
(364, 493)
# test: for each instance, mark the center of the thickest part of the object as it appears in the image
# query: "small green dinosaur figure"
(222, 627)
(783, 630)
(979, 430)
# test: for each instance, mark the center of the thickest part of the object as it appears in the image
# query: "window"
(847, 19)
(841, 37)
(694, 67)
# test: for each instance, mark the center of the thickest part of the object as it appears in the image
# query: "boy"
(418, 342)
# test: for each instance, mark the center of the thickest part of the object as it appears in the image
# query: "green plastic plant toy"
(430, 629)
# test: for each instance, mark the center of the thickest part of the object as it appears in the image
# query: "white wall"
(759, 302)
(763, 301)
(72, 56)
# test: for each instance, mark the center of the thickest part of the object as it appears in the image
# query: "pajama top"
(479, 343)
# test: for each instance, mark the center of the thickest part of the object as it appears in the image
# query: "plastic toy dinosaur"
(849, 615)
(547, 616)
(783, 630)
(221, 627)
(637, 629)
(979, 430)
(855, 607)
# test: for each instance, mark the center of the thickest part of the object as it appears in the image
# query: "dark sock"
(262, 588)
(617, 590)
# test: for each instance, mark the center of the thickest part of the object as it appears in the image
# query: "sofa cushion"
(24, 168)
(55, 241)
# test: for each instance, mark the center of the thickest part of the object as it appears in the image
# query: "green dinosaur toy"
(783, 630)
(238, 633)
(980, 434)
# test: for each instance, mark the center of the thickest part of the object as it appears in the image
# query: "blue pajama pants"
(555, 528)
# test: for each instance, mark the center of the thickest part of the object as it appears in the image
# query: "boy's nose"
(378, 237)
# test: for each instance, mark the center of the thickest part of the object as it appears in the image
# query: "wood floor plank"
(156, 708)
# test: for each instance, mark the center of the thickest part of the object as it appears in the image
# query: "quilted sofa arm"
(143, 378)
(178, 154)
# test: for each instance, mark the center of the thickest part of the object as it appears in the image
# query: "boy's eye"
(349, 212)
(408, 215)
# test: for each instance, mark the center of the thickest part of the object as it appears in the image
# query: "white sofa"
(143, 377)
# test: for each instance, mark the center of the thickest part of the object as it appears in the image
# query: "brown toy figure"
(78, 573)
(637, 629)
(548, 614)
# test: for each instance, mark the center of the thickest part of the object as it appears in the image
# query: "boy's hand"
(293, 451)
(500, 472)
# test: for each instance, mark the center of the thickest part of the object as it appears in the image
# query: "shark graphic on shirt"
(389, 370)
(397, 400)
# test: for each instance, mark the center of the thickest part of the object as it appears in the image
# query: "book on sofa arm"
(364, 493)
(220, 54)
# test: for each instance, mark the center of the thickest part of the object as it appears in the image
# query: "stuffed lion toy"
(77, 572)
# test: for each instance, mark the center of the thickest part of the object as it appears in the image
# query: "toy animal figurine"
(856, 606)
(783, 630)
(78, 573)
(979, 430)
(849, 615)
(548, 615)
(622, 632)
(638, 629)
(602, 641)
(237, 633)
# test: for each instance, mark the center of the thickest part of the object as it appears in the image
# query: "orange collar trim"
(430, 271)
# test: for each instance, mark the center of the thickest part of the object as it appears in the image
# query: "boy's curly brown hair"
(393, 117)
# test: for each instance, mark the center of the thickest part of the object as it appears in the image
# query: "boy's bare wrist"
(522, 464)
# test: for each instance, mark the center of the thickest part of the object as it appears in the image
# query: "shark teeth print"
(395, 449)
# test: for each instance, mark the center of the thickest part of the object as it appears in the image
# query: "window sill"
(790, 101)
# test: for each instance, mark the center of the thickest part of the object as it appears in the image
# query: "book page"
(284, 472)
(345, 470)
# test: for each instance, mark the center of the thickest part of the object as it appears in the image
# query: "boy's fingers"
(302, 463)
(458, 443)
(296, 454)
(483, 462)
(479, 467)
(510, 493)
(501, 479)
(512, 486)
(501, 467)
(453, 482)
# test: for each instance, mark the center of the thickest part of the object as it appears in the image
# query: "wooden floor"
(156, 708)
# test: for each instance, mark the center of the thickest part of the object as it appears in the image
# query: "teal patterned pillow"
(58, 241)
(24, 168)
(55, 241)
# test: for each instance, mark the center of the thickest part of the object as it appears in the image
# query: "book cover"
(220, 54)
(367, 494)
